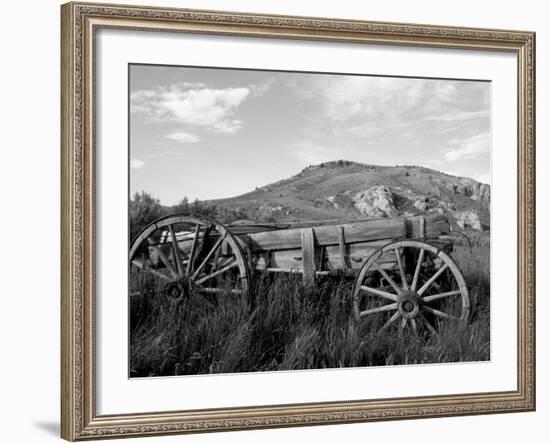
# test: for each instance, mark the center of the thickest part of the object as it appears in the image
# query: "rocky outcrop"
(332, 200)
(472, 189)
(481, 192)
(468, 220)
(376, 201)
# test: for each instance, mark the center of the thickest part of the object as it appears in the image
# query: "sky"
(212, 133)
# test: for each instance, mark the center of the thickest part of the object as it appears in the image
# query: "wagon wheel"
(410, 286)
(181, 255)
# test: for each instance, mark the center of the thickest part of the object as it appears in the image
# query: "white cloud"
(348, 97)
(363, 107)
(260, 89)
(183, 137)
(193, 105)
(136, 164)
(469, 148)
(460, 116)
(363, 130)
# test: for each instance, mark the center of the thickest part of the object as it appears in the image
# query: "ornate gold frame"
(78, 417)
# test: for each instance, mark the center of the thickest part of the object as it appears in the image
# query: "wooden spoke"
(197, 254)
(379, 292)
(394, 317)
(176, 251)
(140, 265)
(439, 313)
(208, 256)
(401, 270)
(430, 298)
(417, 270)
(389, 307)
(396, 288)
(428, 325)
(218, 272)
(413, 323)
(220, 291)
(432, 279)
(193, 250)
(431, 269)
(216, 261)
(166, 261)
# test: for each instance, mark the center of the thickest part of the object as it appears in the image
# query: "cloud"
(363, 106)
(368, 129)
(358, 97)
(260, 89)
(183, 137)
(136, 164)
(460, 116)
(192, 104)
(469, 148)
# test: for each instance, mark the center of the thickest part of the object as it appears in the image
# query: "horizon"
(210, 133)
(303, 169)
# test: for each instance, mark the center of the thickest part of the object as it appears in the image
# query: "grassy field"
(282, 326)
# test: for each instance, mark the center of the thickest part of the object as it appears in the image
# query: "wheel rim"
(181, 255)
(412, 286)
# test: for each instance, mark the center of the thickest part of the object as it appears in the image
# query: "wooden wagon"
(401, 267)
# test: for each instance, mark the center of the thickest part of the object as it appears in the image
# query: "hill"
(344, 189)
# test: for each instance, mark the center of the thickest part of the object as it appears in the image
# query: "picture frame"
(81, 22)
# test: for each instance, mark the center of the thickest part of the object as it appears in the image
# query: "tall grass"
(282, 326)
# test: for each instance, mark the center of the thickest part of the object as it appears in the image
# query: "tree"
(143, 210)
(183, 206)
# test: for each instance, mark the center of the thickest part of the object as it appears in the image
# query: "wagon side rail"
(336, 248)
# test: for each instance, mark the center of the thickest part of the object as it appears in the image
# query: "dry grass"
(282, 326)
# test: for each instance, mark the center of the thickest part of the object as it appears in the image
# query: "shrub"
(143, 210)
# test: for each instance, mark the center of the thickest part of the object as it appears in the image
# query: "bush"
(143, 210)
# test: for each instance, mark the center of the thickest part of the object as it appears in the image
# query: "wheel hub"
(181, 288)
(409, 304)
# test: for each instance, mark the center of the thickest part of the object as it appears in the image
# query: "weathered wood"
(435, 225)
(432, 279)
(308, 256)
(328, 235)
(176, 252)
(342, 244)
(422, 227)
(356, 254)
(209, 256)
(193, 249)
(265, 237)
(356, 232)
(417, 270)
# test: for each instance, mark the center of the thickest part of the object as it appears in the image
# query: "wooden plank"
(355, 256)
(370, 230)
(308, 256)
(422, 227)
(281, 236)
(435, 225)
(342, 244)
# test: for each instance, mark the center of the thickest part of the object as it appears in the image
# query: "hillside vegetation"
(345, 189)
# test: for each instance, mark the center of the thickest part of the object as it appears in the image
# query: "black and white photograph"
(286, 220)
